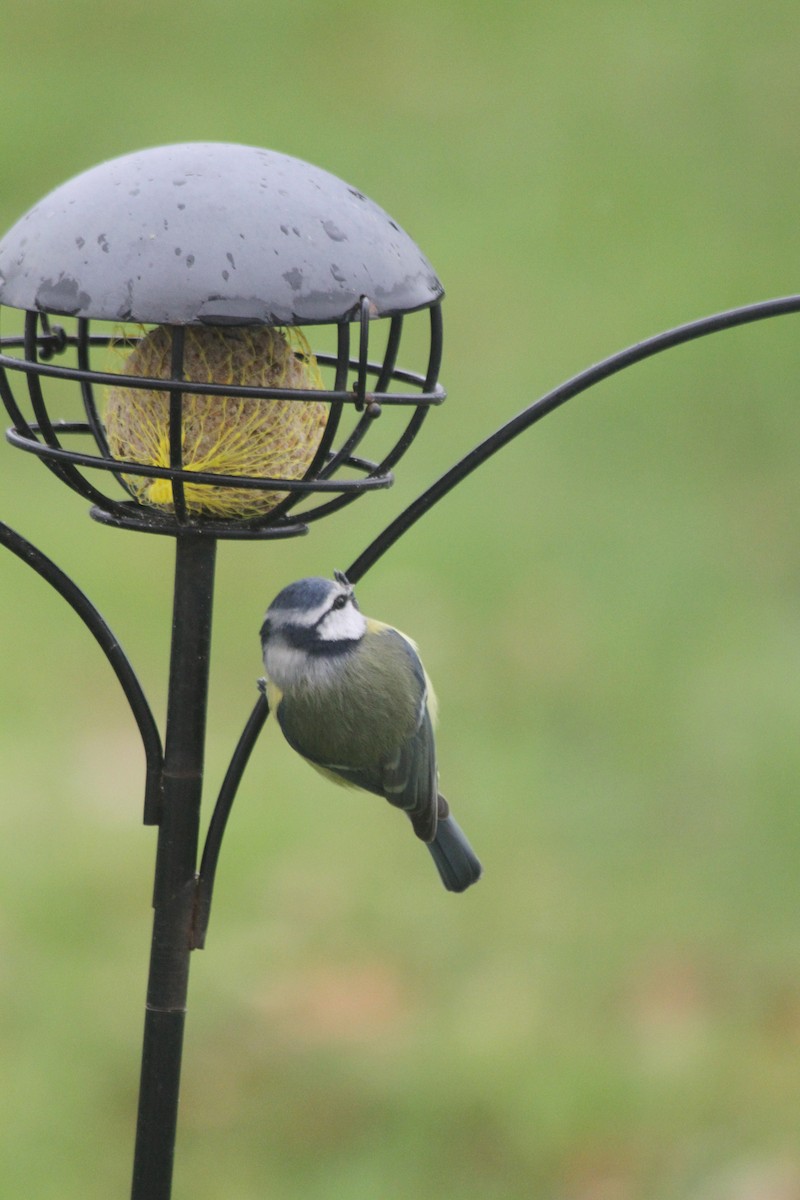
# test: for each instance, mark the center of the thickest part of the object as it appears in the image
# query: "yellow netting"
(221, 434)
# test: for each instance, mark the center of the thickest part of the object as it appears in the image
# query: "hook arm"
(108, 643)
(219, 820)
(759, 311)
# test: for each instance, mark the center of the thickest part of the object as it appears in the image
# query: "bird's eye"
(340, 601)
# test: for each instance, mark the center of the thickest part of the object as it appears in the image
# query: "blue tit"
(352, 697)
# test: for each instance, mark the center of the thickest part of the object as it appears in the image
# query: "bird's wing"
(402, 766)
(410, 780)
(406, 774)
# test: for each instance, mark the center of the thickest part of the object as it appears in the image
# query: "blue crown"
(303, 594)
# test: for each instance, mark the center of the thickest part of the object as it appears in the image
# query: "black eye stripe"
(338, 604)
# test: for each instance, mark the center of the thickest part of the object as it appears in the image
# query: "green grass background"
(609, 610)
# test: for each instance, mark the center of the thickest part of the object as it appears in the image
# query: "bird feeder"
(209, 334)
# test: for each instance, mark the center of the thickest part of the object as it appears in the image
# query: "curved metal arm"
(108, 643)
(219, 820)
(553, 400)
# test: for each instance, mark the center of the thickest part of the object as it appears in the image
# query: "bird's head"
(311, 619)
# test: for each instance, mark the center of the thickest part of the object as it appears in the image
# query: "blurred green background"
(609, 610)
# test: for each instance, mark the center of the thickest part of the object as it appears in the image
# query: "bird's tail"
(455, 859)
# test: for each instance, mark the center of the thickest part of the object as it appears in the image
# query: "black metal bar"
(219, 821)
(34, 386)
(548, 403)
(62, 466)
(14, 411)
(244, 390)
(108, 643)
(342, 368)
(175, 881)
(430, 384)
(389, 372)
(62, 472)
(315, 469)
(382, 470)
(363, 355)
(147, 520)
(384, 479)
(404, 441)
(390, 355)
(437, 343)
(87, 391)
(176, 425)
(84, 341)
(136, 468)
(56, 340)
(346, 450)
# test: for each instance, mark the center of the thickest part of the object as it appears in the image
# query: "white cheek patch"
(342, 625)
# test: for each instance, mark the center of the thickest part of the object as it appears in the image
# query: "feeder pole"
(176, 866)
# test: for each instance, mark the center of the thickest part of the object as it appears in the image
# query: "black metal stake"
(176, 866)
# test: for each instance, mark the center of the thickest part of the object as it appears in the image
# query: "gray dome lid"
(211, 232)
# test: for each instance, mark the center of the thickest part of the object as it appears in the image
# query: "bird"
(351, 696)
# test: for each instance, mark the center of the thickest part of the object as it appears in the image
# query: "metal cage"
(142, 241)
(73, 449)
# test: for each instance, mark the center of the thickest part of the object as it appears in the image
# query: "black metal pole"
(176, 867)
